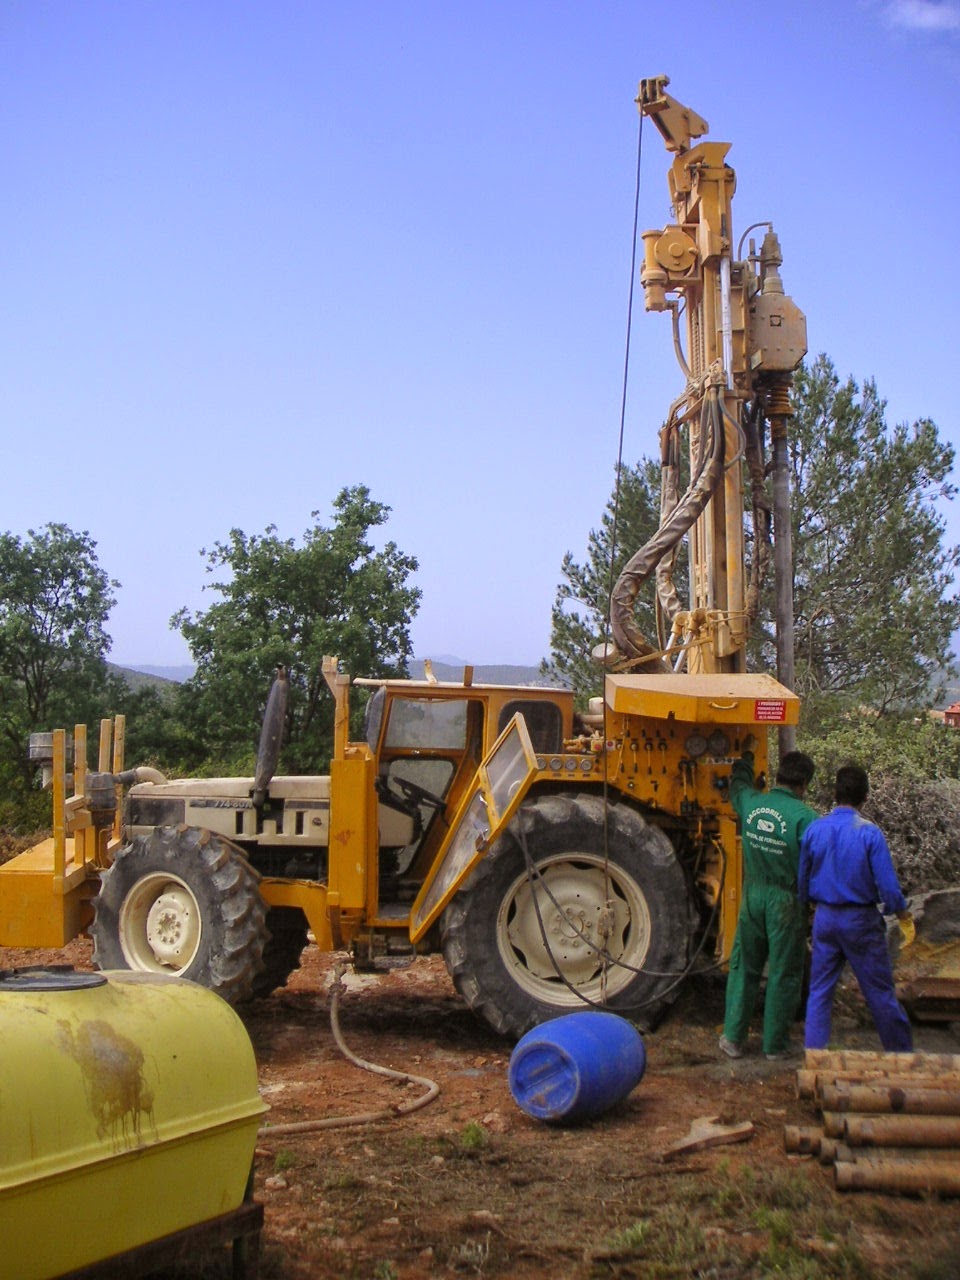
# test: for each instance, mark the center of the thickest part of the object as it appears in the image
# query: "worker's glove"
(908, 929)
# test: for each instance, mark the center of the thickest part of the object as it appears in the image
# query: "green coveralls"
(770, 929)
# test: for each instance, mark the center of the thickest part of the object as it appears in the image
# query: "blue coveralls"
(846, 869)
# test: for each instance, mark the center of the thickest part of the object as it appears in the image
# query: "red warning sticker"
(770, 710)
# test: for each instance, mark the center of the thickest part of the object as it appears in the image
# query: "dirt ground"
(469, 1185)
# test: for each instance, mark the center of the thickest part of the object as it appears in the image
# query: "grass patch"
(735, 1221)
(474, 1137)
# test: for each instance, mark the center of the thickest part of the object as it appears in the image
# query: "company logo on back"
(766, 829)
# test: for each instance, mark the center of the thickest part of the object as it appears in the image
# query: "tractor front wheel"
(183, 902)
(286, 939)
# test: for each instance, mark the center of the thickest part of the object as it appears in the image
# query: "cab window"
(544, 723)
(427, 723)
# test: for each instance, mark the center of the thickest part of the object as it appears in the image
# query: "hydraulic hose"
(629, 639)
(363, 1117)
(668, 600)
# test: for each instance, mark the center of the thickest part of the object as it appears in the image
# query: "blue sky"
(253, 253)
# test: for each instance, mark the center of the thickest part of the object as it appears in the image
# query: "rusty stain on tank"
(112, 1069)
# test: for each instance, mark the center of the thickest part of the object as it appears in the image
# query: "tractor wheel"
(286, 938)
(183, 902)
(520, 952)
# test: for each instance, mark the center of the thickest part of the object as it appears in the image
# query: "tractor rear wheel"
(184, 902)
(605, 920)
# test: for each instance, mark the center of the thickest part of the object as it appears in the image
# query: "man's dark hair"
(852, 785)
(795, 770)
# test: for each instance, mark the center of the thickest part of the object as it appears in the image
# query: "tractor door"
(427, 749)
(498, 788)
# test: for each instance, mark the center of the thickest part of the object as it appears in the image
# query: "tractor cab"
(427, 740)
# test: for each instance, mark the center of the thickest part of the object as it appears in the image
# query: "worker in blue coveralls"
(846, 870)
(771, 928)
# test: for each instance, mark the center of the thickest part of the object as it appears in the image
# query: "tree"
(53, 610)
(582, 599)
(874, 612)
(289, 605)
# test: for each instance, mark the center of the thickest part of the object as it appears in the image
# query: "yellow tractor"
(557, 861)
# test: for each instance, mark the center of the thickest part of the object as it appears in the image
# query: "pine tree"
(874, 605)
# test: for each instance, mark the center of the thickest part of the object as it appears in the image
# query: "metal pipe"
(839, 1060)
(783, 552)
(828, 1149)
(842, 1151)
(59, 807)
(899, 1131)
(803, 1139)
(899, 1175)
(893, 1098)
(732, 646)
(142, 773)
(811, 1084)
(834, 1124)
(726, 322)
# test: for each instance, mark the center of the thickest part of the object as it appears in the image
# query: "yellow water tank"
(129, 1109)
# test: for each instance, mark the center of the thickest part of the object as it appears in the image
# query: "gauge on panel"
(695, 745)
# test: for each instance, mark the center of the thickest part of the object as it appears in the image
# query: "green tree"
(874, 607)
(914, 763)
(581, 602)
(54, 607)
(290, 605)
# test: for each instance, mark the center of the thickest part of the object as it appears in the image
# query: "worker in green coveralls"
(771, 929)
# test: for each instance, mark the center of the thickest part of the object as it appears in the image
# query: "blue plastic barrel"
(576, 1067)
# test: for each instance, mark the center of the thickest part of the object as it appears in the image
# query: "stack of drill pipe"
(823, 1065)
(890, 1121)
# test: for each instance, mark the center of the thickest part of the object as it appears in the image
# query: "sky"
(253, 253)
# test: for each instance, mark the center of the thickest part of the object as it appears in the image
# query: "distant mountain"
(178, 675)
(502, 673)
(144, 679)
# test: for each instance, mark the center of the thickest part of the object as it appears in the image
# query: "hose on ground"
(363, 1117)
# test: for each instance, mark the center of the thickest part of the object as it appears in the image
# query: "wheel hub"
(590, 919)
(171, 927)
(160, 925)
